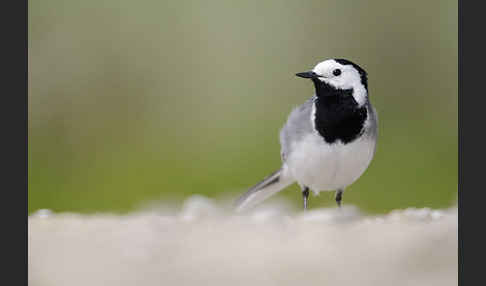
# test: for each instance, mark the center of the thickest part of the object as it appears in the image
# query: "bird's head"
(339, 77)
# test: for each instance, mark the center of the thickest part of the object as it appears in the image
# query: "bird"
(329, 141)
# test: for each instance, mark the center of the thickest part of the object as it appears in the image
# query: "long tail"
(269, 186)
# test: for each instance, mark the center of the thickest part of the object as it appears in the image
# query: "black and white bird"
(328, 142)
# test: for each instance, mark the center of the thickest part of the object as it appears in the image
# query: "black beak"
(309, 74)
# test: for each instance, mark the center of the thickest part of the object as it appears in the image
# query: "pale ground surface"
(205, 244)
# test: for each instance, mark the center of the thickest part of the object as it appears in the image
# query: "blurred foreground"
(206, 244)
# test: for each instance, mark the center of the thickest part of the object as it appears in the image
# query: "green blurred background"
(132, 102)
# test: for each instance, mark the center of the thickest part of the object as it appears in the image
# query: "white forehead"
(349, 78)
(328, 66)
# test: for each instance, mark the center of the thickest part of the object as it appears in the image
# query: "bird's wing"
(374, 121)
(373, 129)
(297, 126)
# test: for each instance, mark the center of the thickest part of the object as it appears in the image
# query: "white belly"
(323, 167)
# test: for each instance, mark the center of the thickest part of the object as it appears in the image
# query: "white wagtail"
(328, 142)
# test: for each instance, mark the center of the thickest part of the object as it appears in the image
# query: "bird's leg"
(339, 197)
(305, 195)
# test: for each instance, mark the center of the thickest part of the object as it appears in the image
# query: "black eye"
(336, 72)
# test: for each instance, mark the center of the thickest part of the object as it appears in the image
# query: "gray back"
(297, 126)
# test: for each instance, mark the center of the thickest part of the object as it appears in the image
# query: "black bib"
(338, 116)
